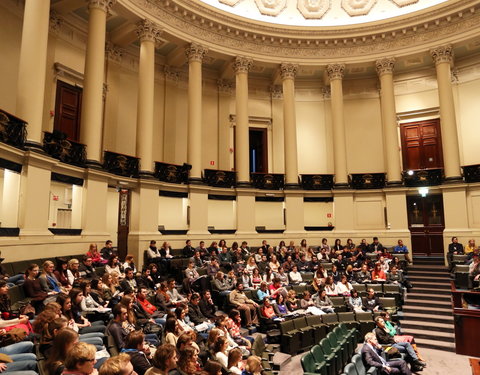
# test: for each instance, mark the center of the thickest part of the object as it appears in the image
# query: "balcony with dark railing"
(367, 180)
(172, 173)
(268, 181)
(423, 177)
(317, 181)
(471, 173)
(217, 178)
(13, 130)
(120, 164)
(67, 151)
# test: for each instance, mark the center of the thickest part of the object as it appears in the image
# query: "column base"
(243, 184)
(453, 179)
(341, 185)
(292, 186)
(145, 174)
(34, 146)
(94, 164)
(195, 181)
(394, 183)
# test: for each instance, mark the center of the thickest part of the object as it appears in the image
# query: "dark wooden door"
(258, 150)
(426, 223)
(68, 105)
(422, 145)
(123, 222)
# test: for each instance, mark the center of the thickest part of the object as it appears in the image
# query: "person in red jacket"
(148, 307)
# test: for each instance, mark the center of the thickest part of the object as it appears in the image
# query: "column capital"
(225, 86)
(113, 52)
(276, 91)
(242, 64)
(104, 5)
(336, 71)
(55, 22)
(385, 65)
(288, 70)
(170, 74)
(442, 54)
(195, 52)
(148, 31)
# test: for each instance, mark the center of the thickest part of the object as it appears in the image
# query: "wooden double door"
(426, 224)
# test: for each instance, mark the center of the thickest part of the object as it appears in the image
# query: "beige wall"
(173, 213)
(269, 215)
(315, 213)
(222, 214)
(9, 193)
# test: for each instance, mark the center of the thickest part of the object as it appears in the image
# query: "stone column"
(335, 73)
(288, 72)
(32, 69)
(225, 148)
(92, 101)
(443, 58)
(389, 118)
(148, 34)
(241, 66)
(195, 54)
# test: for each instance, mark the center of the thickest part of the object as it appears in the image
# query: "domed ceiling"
(320, 12)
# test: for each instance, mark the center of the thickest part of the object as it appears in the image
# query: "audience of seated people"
(77, 303)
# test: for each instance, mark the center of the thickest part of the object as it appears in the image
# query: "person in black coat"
(138, 351)
(207, 307)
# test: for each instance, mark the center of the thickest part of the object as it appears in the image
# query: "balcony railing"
(172, 173)
(12, 130)
(367, 180)
(225, 179)
(120, 164)
(471, 173)
(317, 181)
(59, 147)
(423, 177)
(269, 181)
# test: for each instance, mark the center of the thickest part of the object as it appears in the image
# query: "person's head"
(171, 325)
(191, 264)
(153, 243)
(266, 302)
(219, 275)
(371, 292)
(371, 338)
(96, 284)
(206, 295)
(86, 287)
(375, 240)
(113, 260)
(380, 322)
(471, 243)
(239, 286)
(187, 361)
(76, 295)
(65, 302)
(81, 358)
(119, 313)
(184, 340)
(454, 239)
(364, 267)
(212, 368)
(354, 293)
(32, 270)
(118, 365)
(48, 267)
(3, 288)
(195, 299)
(323, 293)
(54, 307)
(165, 358)
(234, 356)
(306, 295)
(128, 273)
(220, 345)
(295, 268)
(254, 364)
(63, 341)
(235, 315)
(385, 315)
(87, 260)
(394, 270)
(181, 311)
(62, 265)
(142, 293)
(73, 264)
(134, 340)
(108, 244)
(171, 284)
(274, 258)
(400, 243)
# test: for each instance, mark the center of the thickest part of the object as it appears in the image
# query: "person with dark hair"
(238, 298)
(373, 355)
(207, 307)
(138, 351)
(115, 327)
(164, 360)
(171, 331)
(107, 251)
(86, 268)
(77, 300)
(61, 273)
(129, 282)
(8, 319)
(63, 342)
(375, 246)
(454, 248)
(33, 288)
(188, 251)
(213, 368)
(372, 302)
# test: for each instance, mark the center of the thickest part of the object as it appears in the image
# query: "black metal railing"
(317, 181)
(59, 147)
(218, 178)
(13, 130)
(172, 173)
(120, 164)
(423, 177)
(271, 181)
(367, 180)
(471, 173)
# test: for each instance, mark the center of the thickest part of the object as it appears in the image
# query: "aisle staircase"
(428, 310)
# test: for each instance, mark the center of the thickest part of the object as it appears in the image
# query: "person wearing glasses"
(80, 360)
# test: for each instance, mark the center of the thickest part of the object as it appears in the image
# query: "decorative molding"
(313, 9)
(254, 120)
(56, 22)
(402, 3)
(229, 2)
(326, 92)
(113, 52)
(335, 71)
(358, 7)
(385, 65)
(61, 70)
(171, 75)
(442, 54)
(271, 7)
(242, 64)
(104, 5)
(225, 86)
(196, 52)
(148, 31)
(288, 70)
(276, 91)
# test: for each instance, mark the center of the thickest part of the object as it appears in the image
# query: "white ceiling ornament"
(402, 3)
(229, 2)
(358, 7)
(271, 7)
(313, 9)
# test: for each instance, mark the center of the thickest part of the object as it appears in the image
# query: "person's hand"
(23, 320)
(3, 331)
(387, 369)
(3, 367)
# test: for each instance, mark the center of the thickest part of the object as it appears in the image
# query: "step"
(442, 277)
(408, 325)
(428, 303)
(431, 284)
(430, 335)
(433, 344)
(426, 296)
(429, 309)
(432, 273)
(432, 267)
(429, 291)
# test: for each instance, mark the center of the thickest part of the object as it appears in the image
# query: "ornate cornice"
(242, 64)
(225, 86)
(454, 21)
(313, 9)
(335, 71)
(288, 71)
(104, 5)
(171, 75)
(276, 91)
(442, 54)
(358, 7)
(55, 22)
(113, 52)
(385, 65)
(148, 31)
(195, 52)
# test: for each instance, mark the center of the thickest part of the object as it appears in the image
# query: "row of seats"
(14, 268)
(356, 367)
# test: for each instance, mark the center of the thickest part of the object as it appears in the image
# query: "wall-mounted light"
(423, 191)
(410, 172)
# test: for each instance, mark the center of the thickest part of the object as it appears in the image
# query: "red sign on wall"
(212, 162)
(329, 215)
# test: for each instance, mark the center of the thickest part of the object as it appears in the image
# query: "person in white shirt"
(295, 276)
(344, 287)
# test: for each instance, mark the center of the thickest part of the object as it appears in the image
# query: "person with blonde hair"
(81, 360)
(118, 365)
(48, 280)
(72, 272)
(95, 255)
(254, 366)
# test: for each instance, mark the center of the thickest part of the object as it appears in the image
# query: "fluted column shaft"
(389, 118)
(241, 66)
(92, 101)
(335, 72)
(288, 72)
(443, 57)
(32, 68)
(148, 34)
(195, 54)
